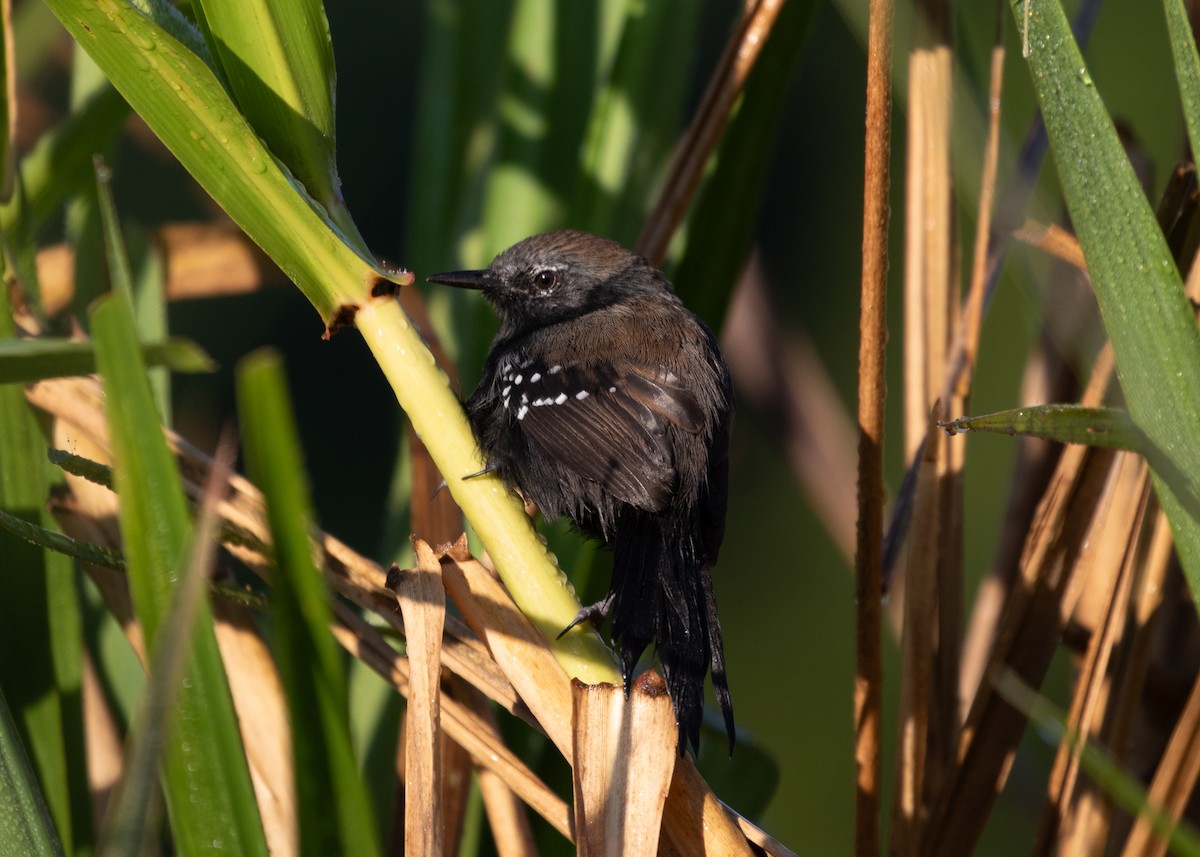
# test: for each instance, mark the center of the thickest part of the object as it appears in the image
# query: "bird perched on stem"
(606, 401)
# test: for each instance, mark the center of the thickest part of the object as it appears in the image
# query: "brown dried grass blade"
(1065, 826)
(622, 772)
(1052, 239)
(506, 814)
(1174, 782)
(519, 650)
(702, 136)
(476, 735)
(423, 603)
(78, 404)
(457, 767)
(917, 647)
(692, 815)
(506, 818)
(1054, 567)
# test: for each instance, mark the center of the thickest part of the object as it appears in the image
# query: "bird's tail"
(662, 594)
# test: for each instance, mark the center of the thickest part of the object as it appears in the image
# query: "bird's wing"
(608, 423)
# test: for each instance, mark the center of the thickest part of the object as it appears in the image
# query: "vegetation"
(187, 659)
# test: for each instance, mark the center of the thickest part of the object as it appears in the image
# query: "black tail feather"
(661, 593)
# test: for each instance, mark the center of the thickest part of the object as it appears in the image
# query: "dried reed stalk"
(917, 647)
(1065, 824)
(1054, 566)
(423, 603)
(625, 751)
(704, 132)
(872, 389)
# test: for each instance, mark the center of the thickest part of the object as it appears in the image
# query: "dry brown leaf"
(423, 603)
(625, 749)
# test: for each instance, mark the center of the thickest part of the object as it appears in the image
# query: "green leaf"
(61, 162)
(1106, 427)
(277, 59)
(182, 101)
(1149, 321)
(25, 360)
(310, 662)
(25, 826)
(206, 779)
(1187, 67)
(146, 295)
(131, 823)
(633, 127)
(39, 617)
(59, 543)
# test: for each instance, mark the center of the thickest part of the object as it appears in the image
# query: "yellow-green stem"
(527, 568)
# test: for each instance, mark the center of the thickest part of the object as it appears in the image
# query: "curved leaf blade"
(1187, 67)
(1106, 427)
(310, 664)
(277, 58)
(207, 781)
(186, 106)
(25, 825)
(25, 360)
(1148, 319)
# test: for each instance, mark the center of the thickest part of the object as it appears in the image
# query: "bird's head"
(557, 276)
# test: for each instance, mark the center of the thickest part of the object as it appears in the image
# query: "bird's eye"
(545, 279)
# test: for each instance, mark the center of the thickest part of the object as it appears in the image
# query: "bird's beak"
(462, 279)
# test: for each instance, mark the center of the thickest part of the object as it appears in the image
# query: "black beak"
(462, 279)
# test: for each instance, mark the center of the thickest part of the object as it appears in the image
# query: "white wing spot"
(562, 397)
(581, 395)
(518, 379)
(521, 413)
(555, 369)
(535, 377)
(612, 389)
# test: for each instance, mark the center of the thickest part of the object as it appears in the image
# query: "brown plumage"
(606, 401)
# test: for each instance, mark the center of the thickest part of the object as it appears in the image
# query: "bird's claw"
(596, 613)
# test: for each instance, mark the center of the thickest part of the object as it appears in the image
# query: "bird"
(605, 401)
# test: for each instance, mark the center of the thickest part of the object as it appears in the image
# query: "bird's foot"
(596, 613)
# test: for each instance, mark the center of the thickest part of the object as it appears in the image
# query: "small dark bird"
(604, 400)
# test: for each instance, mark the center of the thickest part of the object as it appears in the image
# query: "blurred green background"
(785, 591)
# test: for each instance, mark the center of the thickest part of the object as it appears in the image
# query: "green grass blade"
(145, 294)
(1149, 321)
(633, 127)
(519, 200)
(1187, 67)
(25, 826)
(131, 824)
(60, 543)
(61, 162)
(310, 663)
(462, 73)
(184, 103)
(39, 618)
(25, 360)
(206, 779)
(1123, 788)
(277, 58)
(1106, 427)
